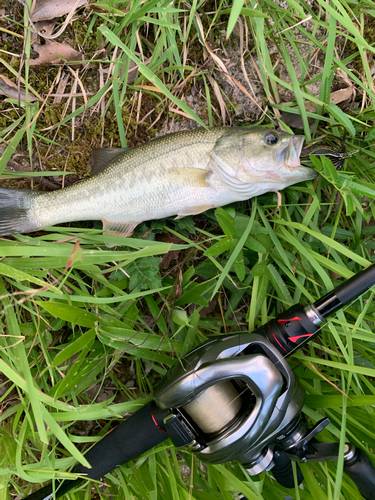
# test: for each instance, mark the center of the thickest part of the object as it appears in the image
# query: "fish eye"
(272, 139)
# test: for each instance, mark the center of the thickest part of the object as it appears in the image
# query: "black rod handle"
(282, 470)
(299, 325)
(362, 472)
(139, 433)
(346, 292)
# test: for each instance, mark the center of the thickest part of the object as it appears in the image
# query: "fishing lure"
(333, 147)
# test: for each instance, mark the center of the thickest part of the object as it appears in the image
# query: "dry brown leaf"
(294, 120)
(54, 53)
(133, 71)
(342, 95)
(205, 312)
(343, 77)
(61, 88)
(49, 9)
(311, 106)
(218, 95)
(10, 89)
(172, 254)
(45, 28)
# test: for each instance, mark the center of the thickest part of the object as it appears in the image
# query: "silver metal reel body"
(229, 399)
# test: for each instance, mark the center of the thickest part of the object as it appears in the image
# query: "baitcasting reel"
(231, 398)
(236, 398)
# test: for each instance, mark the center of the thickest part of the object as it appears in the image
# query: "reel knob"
(262, 463)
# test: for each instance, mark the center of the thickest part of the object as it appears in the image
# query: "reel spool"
(215, 408)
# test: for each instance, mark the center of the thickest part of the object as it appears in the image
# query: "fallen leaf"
(294, 120)
(342, 95)
(45, 28)
(10, 89)
(205, 312)
(133, 73)
(343, 77)
(335, 276)
(49, 9)
(61, 88)
(54, 53)
(172, 254)
(311, 107)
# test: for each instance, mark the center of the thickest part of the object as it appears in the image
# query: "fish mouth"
(294, 151)
(288, 154)
(288, 157)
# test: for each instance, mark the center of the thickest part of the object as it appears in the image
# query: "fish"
(184, 173)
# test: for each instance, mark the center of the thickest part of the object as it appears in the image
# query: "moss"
(351, 47)
(74, 156)
(91, 130)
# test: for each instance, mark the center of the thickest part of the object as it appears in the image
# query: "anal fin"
(118, 228)
(193, 210)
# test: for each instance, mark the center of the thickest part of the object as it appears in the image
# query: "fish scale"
(144, 172)
(178, 174)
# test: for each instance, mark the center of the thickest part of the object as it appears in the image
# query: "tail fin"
(14, 211)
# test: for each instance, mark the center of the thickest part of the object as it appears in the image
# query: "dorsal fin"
(101, 157)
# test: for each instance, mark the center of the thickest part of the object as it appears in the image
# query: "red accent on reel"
(297, 337)
(155, 422)
(283, 321)
(274, 336)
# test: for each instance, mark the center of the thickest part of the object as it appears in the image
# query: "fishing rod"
(236, 398)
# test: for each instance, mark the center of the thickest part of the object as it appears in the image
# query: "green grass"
(88, 332)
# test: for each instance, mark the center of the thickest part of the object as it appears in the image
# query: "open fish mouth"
(292, 157)
(288, 159)
(288, 155)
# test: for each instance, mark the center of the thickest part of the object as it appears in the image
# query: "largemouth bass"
(179, 174)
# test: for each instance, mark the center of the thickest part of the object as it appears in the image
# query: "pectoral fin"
(193, 210)
(190, 176)
(196, 178)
